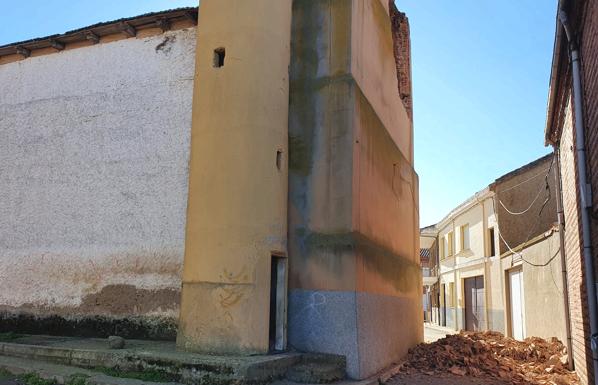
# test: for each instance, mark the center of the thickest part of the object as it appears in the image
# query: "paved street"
(433, 333)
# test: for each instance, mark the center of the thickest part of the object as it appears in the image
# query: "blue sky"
(27, 19)
(480, 77)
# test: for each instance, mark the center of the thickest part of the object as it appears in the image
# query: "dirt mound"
(490, 354)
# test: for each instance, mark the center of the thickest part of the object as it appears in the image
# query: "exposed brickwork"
(583, 16)
(575, 267)
(589, 53)
(402, 51)
(589, 62)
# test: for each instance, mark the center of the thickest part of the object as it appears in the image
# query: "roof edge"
(552, 89)
(522, 169)
(483, 194)
(126, 25)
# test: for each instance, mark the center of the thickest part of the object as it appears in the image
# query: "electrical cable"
(524, 211)
(533, 228)
(525, 181)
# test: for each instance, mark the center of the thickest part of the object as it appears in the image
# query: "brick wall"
(588, 44)
(589, 56)
(583, 16)
(573, 250)
(402, 51)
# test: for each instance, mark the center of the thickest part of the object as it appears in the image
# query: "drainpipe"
(561, 222)
(456, 290)
(486, 270)
(584, 190)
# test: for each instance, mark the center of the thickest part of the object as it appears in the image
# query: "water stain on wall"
(127, 299)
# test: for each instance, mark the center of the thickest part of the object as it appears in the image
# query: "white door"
(517, 304)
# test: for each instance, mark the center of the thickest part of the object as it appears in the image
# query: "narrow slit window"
(492, 242)
(278, 159)
(219, 54)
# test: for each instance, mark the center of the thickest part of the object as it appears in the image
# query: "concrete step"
(318, 369)
(69, 375)
(160, 359)
(63, 374)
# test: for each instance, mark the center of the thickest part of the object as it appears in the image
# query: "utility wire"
(525, 181)
(533, 228)
(524, 211)
(546, 187)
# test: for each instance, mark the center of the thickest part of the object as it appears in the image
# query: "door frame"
(518, 268)
(280, 262)
(482, 324)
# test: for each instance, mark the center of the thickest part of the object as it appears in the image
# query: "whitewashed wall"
(94, 148)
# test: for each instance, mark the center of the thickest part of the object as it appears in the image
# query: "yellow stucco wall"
(237, 216)
(374, 69)
(355, 279)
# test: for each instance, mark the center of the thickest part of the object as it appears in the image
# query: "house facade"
(572, 130)
(499, 260)
(428, 255)
(464, 244)
(239, 179)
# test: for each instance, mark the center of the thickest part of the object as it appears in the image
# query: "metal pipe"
(561, 223)
(584, 190)
(454, 297)
(486, 269)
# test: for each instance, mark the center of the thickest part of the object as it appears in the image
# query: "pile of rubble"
(490, 354)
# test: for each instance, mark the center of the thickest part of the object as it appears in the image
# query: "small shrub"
(35, 379)
(9, 336)
(77, 379)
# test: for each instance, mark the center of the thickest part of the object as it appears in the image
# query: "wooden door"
(475, 310)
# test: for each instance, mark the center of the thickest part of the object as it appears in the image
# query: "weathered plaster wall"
(496, 308)
(426, 242)
(542, 288)
(374, 69)
(526, 191)
(353, 241)
(93, 181)
(388, 268)
(237, 214)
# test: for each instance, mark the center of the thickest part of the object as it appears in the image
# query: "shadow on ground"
(422, 379)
